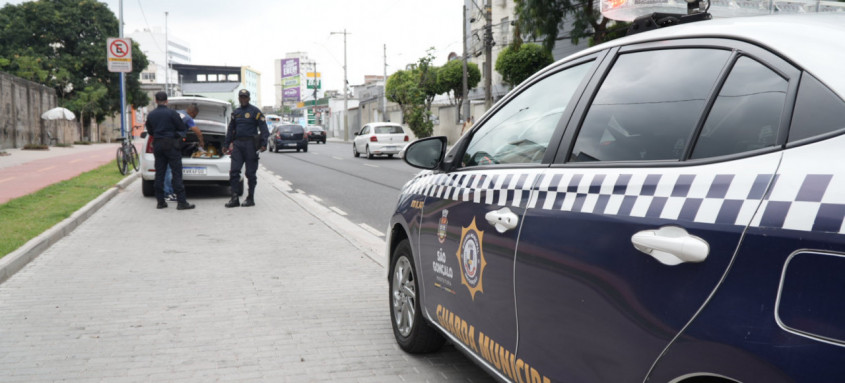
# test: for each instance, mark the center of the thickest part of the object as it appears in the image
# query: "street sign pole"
(122, 86)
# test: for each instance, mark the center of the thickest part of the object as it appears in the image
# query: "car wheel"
(305, 149)
(355, 151)
(297, 149)
(389, 156)
(412, 332)
(148, 188)
(369, 155)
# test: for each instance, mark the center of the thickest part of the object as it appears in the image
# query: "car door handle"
(503, 219)
(671, 245)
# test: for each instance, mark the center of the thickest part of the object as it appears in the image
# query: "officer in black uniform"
(167, 130)
(245, 137)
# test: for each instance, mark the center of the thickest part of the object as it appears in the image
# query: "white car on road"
(379, 138)
(209, 168)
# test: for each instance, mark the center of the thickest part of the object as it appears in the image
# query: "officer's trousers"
(243, 152)
(167, 152)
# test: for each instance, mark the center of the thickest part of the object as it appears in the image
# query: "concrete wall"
(21, 104)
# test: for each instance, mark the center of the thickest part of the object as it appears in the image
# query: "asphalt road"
(363, 190)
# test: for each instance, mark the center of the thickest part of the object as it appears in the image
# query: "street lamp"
(345, 84)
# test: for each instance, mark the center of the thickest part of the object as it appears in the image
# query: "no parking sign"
(119, 54)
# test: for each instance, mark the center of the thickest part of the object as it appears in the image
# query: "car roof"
(815, 42)
(376, 124)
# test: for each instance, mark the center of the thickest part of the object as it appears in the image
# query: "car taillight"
(406, 138)
(373, 139)
(150, 145)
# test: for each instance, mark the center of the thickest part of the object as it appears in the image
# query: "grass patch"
(36, 147)
(63, 145)
(24, 218)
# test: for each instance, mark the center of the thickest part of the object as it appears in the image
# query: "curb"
(16, 260)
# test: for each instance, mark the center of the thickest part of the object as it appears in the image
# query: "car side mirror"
(426, 153)
(143, 134)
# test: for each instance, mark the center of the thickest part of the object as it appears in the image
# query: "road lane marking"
(6, 179)
(371, 229)
(300, 191)
(46, 169)
(337, 158)
(288, 183)
(372, 166)
(338, 211)
(315, 198)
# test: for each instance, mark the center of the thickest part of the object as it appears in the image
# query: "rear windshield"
(315, 128)
(389, 130)
(291, 129)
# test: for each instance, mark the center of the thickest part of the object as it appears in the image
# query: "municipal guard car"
(665, 207)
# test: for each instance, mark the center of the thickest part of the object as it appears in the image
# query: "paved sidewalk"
(23, 172)
(263, 294)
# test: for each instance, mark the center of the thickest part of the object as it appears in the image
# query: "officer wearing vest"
(167, 130)
(245, 137)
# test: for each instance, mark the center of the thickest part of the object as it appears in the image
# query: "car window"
(520, 131)
(649, 105)
(746, 114)
(817, 110)
(389, 130)
(365, 130)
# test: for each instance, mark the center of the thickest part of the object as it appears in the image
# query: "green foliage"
(451, 78)
(62, 44)
(517, 64)
(545, 18)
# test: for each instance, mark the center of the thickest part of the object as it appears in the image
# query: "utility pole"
(166, 60)
(345, 91)
(315, 92)
(488, 54)
(384, 88)
(463, 111)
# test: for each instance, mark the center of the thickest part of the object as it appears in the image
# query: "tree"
(547, 17)
(451, 78)
(62, 44)
(403, 88)
(518, 62)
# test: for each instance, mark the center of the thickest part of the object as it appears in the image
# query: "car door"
(634, 226)
(784, 292)
(471, 216)
(359, 140)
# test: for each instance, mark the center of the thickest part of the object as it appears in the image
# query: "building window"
(233, 77)
(201, 78)
(212, 77)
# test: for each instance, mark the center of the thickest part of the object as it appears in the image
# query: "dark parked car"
(288, 136)
(315, 133)
(664, 207)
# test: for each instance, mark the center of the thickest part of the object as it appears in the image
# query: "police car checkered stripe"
(797, 202)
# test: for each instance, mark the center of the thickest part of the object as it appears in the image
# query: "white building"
(305, 65)
(152, 43)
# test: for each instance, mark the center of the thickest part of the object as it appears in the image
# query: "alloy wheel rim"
(404, 296)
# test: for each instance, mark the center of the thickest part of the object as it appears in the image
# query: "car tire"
(297, 149)
(389, 156)
(410, 328)
(355, 151)
(148, 188)
(305, 148)
(369, 155)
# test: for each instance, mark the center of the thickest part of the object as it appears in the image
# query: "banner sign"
(290, 94)
(309, 81)
(290, 82)
(290, 68)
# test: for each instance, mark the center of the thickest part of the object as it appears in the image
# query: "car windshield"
(389, 130)
(290, 129)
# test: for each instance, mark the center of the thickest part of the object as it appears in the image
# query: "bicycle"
(127, 154)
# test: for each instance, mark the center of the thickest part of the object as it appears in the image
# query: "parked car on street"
(288, 136)
(379, 138)
(664, 207)
(315, 133)
(211, 167)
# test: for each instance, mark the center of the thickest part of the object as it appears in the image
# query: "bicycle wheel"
(134, 157)
(121, 160)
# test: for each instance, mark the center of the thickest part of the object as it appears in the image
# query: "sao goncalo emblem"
(441, 228)
(471, 258)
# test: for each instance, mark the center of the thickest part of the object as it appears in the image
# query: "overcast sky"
(256, 32)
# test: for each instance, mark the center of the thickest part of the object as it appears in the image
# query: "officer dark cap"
(161, 96)
(243, 93)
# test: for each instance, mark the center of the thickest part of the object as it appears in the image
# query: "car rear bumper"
(377, 148)
(194, 170)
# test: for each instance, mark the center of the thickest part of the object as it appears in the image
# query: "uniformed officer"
(167, 130)
(245, 137)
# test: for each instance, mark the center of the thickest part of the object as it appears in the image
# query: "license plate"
(193, 171)
(389, 148)
(290, 144)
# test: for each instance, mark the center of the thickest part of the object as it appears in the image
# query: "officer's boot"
(249, 201)
(234, 201)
